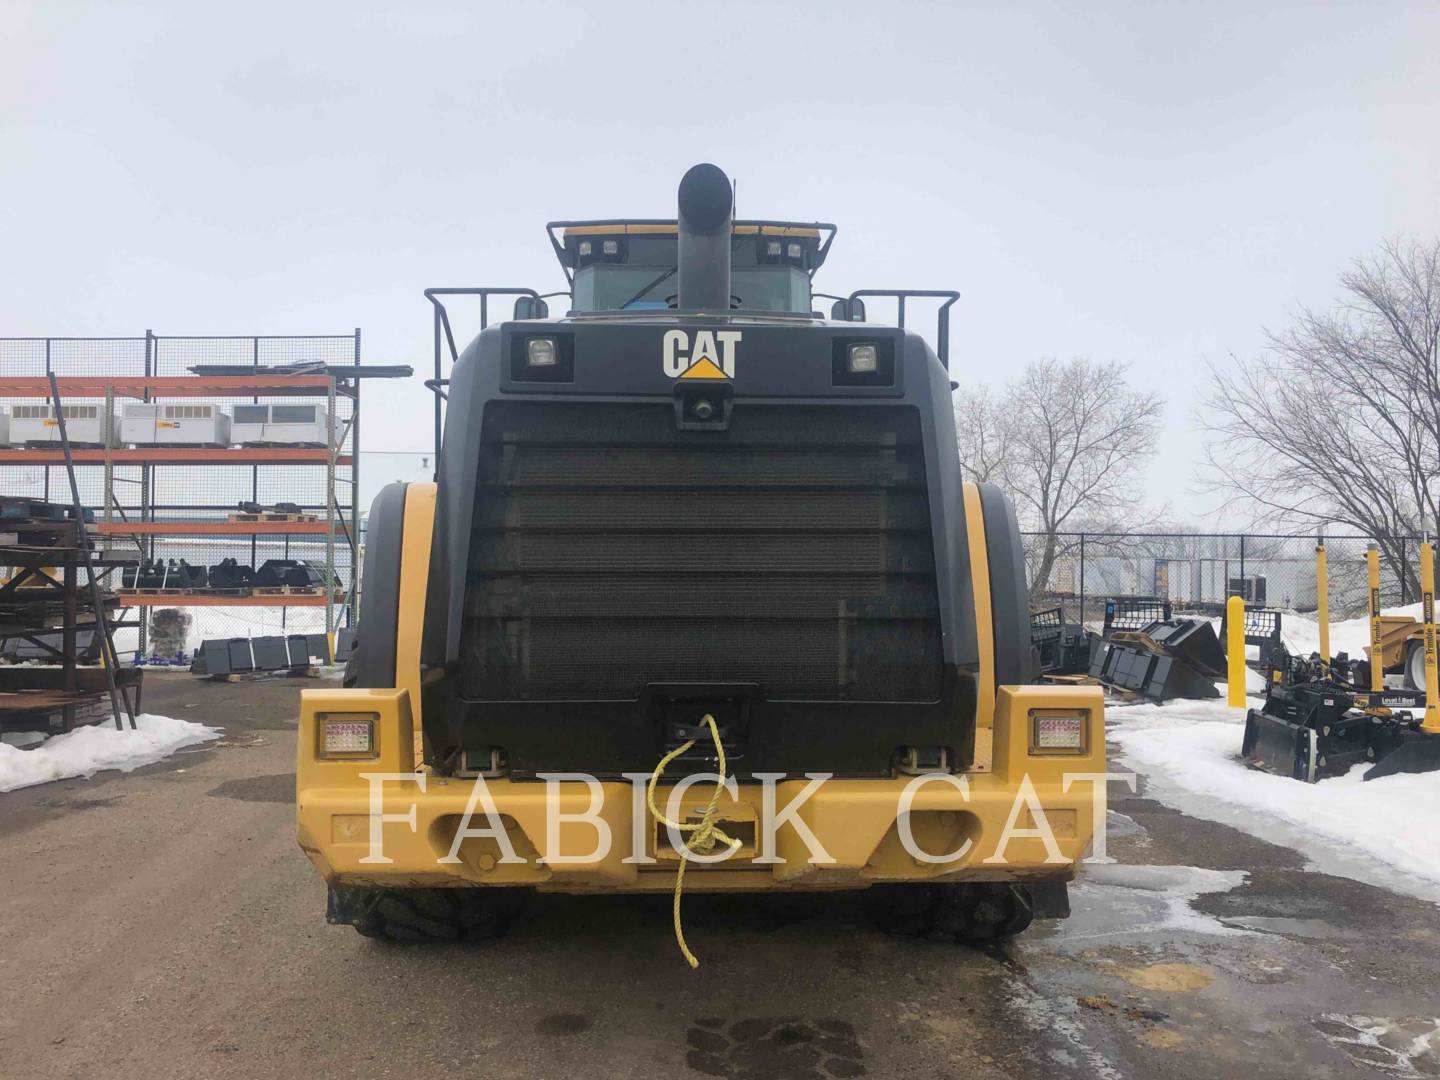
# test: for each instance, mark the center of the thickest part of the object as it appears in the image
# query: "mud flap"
(1418, 752)
(1050, 900)
(1280, 747)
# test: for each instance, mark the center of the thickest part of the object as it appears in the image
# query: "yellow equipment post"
(1377, 658)
(1235, 667)
(1427, 597)
(1322, 603)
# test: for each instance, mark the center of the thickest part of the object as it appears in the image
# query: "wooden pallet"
(278, 673)
(272, 518)
(1072, 680)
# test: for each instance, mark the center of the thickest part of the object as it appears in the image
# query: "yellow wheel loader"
(698, 597)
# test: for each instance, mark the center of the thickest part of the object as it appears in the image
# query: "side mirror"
(531, 307)
(848, 310)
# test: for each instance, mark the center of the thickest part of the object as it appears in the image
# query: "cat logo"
(706, 360)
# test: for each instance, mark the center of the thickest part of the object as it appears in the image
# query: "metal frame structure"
(155, 368)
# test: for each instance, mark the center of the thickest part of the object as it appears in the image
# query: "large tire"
(973, 912)
(1415, 664)
(417, 916)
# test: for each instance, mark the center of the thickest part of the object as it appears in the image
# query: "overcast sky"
(1146, 182)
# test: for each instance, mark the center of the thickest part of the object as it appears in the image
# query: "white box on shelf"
(87, 425)
(280, 425)
(4, 427)
(174, 425)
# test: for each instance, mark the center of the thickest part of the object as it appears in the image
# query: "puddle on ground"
(279, 788)
(1118, 826)
(1408, 1046)
(1306, 928)
(1116, 902)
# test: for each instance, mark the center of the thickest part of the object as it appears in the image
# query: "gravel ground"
(164, 924)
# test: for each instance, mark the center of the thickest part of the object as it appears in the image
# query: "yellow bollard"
(1432, 680)
(1235, 668)
(1322, 603)
(1377, 661)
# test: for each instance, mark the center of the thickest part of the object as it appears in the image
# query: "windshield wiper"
(667, 274)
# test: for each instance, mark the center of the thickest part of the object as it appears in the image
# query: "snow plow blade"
(1418, 752)
(1280, 747)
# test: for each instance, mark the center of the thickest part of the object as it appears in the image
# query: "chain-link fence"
(1196, 572)
(187, 492)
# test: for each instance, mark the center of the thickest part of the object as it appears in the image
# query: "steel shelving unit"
(172, 502)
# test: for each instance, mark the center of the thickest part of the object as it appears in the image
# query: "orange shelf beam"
(175, 455)
(134, 599)
(211, 528)
(169, 386)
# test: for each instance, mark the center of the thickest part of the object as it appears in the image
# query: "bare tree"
(983, 434)
(1067, 440)
(1340, 421)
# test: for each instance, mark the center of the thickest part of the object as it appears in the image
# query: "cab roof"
(816, 236)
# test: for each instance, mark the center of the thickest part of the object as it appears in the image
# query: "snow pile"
(87, 750)
(1382, 830)
(1301, 633)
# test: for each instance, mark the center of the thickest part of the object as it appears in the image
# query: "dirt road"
(163, 924)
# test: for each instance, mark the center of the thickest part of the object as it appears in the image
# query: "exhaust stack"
(704, 223)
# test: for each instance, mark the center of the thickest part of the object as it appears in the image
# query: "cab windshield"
(618, 287)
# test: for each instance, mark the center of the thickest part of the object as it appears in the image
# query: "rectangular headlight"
(863, 359)
(348, 735)
(1057, 732)
(541, 352)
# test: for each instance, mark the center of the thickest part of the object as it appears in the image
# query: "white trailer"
(36, 425)
(280, 425)
(174, 425)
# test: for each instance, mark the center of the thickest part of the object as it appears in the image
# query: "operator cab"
(633, 265)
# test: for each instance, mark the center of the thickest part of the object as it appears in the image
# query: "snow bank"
(1301, 633)
(87, 750)
(1381, 832)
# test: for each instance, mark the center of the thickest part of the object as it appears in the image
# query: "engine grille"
(611, 550)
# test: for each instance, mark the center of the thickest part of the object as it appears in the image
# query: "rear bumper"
(1026, 817)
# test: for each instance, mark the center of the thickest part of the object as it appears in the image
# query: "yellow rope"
(703, 834)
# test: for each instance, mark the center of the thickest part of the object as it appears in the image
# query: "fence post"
(1242, 564)
(1082, 578)
(1235, 652)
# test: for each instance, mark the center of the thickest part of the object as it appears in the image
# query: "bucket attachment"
(1416, 752)
(1280, 747)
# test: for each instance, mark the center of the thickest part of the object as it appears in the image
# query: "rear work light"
(1057, 732)
(541, 352)
(862, 359)
(348, 736)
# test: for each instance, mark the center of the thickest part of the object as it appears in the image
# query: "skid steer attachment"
(1310, 731)
(1324, 715)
